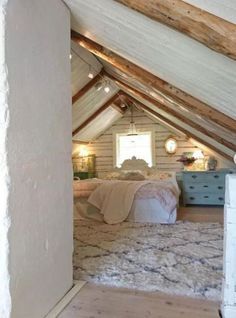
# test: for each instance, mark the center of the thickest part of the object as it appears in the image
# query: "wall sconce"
(171, 145)
(83, 154)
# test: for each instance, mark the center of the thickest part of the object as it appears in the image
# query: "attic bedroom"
(153, 118)
(118, 159)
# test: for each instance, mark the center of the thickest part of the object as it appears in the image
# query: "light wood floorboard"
(96, 301)
(201, 214)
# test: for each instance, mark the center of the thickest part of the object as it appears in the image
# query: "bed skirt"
(142, 211)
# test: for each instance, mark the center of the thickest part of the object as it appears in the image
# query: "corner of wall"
(5, 298)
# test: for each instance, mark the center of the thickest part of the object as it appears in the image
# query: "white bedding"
(115, 199)
(142, 211)
(143, 206)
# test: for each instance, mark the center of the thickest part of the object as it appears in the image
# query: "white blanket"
(115, 199)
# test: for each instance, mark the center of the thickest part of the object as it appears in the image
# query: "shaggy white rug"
(183, 259)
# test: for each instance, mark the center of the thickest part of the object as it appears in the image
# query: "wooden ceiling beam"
(169, 94)
(208, 29)
(180, 128)
(87, 87)
(96, 114)
(117, 107)
(176, 114)
(79, 142)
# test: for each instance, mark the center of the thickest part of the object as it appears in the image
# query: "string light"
(107, 87)
(149, 89)
(104, 83)
(90, 74)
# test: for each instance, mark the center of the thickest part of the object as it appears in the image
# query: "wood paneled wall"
(102, 147)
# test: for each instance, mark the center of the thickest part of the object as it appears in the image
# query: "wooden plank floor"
(201, 214)
(96, 301)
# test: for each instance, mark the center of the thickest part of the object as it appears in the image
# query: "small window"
(139, 146)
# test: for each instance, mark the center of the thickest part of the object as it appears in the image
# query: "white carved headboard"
(134, 164)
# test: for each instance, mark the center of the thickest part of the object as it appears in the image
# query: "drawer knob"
(205, 186)
(216, 176)
(192, 198)
(221, 199)
(191, 187)
(194, 177)
(220, 187)
(206, 197)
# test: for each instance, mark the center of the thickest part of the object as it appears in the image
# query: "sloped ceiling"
(89, 103)
(79, 69)
(92, 100)
(98, 125)
(172, 56)
(225, 9)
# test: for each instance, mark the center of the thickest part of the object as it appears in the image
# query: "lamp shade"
(198, 154)
(132, 129)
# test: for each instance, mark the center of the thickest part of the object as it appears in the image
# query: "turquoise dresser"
(204, 187)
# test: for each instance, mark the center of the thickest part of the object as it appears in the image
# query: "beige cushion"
(161, 175)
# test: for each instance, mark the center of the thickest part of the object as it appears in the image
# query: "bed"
(134, 192)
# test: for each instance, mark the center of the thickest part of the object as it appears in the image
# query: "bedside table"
(204, 187)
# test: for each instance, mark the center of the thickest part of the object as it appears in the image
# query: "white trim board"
(66, 299)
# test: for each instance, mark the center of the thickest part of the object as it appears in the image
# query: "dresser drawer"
(204, 198)
(210, 177)
(204, 187)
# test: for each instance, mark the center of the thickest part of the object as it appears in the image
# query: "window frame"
(116, 135)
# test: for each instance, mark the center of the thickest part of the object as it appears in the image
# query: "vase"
(188, 167)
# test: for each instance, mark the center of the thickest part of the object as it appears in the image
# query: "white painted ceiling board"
(169, 127)
(172, 56)
(225, 9)
(188, 128)
(98, 125)
(203, 122)
(89, 104)
(79, 69)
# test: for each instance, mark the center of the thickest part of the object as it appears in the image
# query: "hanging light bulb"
(90, 74)
(132, 128)
(70, 56)
(107, 87)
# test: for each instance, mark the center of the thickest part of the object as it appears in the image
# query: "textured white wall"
(38, 146)
(5, 300)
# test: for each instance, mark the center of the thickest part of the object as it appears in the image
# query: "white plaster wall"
(39, 155)
(5, 300)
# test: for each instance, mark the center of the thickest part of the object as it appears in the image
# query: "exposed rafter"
(169, 93)
(97, 113)
(87, 87)
(176, 114)
(79, 142)
(117, 107)
(180, 128)
(210, 30)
